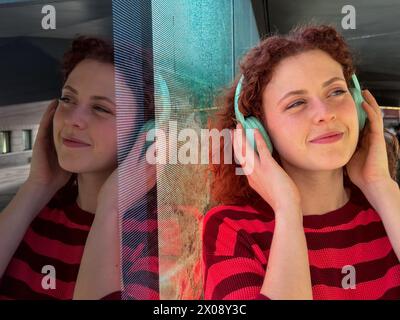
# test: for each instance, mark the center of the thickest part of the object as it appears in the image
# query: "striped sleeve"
(140, 262)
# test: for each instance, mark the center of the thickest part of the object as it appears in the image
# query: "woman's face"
(308, 97)
(84, 125)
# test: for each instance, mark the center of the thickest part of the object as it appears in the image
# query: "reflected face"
(84, 125)
(306, 98)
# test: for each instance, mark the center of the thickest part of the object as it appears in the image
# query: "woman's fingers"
(136, 151)
(370, 99)
(46, 121)
(237, 147)
(373, 111)
(243, 151)
(263, 151)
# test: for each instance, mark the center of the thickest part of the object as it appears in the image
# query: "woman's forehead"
(94, 78)
(302, 65)
(311, 68)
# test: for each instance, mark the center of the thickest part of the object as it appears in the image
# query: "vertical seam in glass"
(233, 40)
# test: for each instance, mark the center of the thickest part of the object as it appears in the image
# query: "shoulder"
(360, 203)
(237, 217)
(237, 231)
(237, 212)
(68, 215)
(359, 199)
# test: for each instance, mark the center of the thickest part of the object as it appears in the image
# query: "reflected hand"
(45, 171)
(133, 178)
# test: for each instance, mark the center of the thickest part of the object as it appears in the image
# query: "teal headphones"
(162, 103)
(252, 122)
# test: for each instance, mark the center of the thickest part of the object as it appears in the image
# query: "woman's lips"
(330, 139)
(74, 144)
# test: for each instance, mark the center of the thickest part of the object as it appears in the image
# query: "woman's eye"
(295, 104)
(338, 92)
(65, 99)
(101, 109)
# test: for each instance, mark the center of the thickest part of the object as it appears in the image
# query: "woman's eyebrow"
(292, 93)
(328, 82)
(103, 98)
(71, 89)
(93, 97)
(325, 84)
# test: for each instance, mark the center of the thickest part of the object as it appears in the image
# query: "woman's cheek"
(109, 137)
(56, 125)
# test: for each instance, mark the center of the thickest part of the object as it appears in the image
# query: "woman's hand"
(264, 174)
(282, 280)
(369, 164)
(99, 273)
(45, 171)
(135, 175)
(45, 178)
(368, 169)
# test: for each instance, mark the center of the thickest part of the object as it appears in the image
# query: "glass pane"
(2, 142)
(5, 140)
(195, 46)
(27, 139)
(245, 29)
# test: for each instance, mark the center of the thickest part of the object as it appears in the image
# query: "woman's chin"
(88, 167)
(327, 165)
(319, 162)
(72, 167)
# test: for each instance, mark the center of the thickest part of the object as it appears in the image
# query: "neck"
(320, 191)
(89, 185)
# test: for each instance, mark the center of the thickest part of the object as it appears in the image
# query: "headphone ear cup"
(253, 123)
(163, 110)
(250, 122)
(151, 124)
(358, 99)
(162, 98)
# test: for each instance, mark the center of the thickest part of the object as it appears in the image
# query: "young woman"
(46, 249)
(319, 218)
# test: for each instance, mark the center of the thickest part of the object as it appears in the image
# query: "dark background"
(375, 41)
(29, 55)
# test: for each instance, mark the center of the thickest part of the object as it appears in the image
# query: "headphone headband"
(238, 114)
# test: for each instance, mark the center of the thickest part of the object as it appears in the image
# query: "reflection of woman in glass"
(45, 245)
(320, 218)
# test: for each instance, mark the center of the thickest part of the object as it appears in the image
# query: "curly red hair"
(257, 68)
(84, 47)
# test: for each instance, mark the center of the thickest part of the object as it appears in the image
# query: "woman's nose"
(323, 112)
(76, 117)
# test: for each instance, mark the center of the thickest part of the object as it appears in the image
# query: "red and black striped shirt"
(237, 240)
(55, 238)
